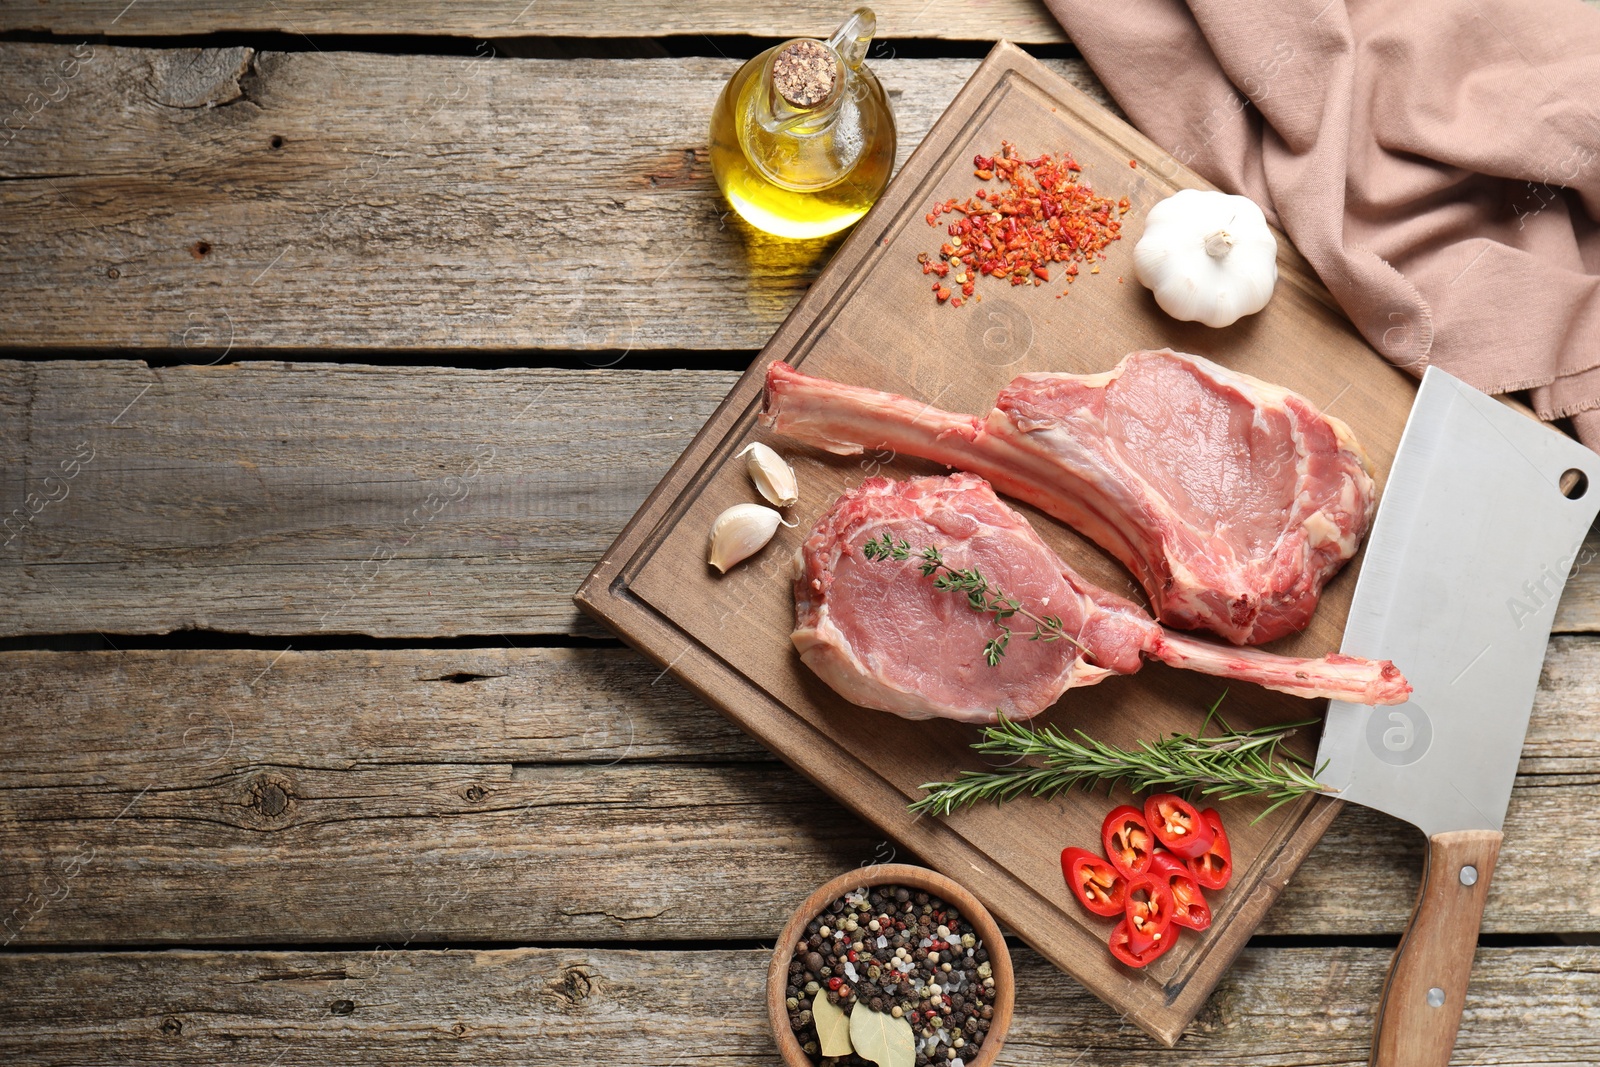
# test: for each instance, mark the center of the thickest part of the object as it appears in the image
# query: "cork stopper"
(803, 73)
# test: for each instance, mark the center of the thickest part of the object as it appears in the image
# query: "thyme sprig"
(981, 596)
(1224, 766)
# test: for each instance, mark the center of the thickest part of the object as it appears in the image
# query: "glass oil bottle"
(802, 137)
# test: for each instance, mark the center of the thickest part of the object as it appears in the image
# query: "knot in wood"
(571, 985)
(271, 797)
(684, 167)
(197, 77)
(804, 73)
(475, 793)
(171, 1027)
(342, 1007)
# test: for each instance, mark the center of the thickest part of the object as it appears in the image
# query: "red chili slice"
(1214, 867)
(1122, 950)
(1189, 907)
(1095, 883)
(1127, 840)
(1148, 912)
(1177, 826)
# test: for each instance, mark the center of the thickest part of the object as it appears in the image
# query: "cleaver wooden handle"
(1420, 1010)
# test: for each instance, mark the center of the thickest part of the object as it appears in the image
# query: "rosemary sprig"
(981, 596)
(1227, 765)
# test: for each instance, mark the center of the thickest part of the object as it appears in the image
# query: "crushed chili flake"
(1040, 215)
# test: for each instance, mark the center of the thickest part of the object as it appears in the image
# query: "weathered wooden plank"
(423, 852)
(121, 716)
(545, 794)
(74, 718)
(294, 499)
(1276, 1008)
(208, 199)
(1023, 21)
(1579, 610)
(317, 499)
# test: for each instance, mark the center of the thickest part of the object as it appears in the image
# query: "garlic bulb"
(1208, 257)
(741, 532)
(773, 477)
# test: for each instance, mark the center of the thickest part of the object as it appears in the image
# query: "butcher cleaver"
(1473, 542)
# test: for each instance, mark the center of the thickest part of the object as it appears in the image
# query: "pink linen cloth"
(1437, 162)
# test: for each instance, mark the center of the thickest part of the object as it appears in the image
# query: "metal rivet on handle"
(1435, 997)
(1469, 875)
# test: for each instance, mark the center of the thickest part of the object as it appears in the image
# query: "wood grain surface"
(222, 201)
(1016, 20)
(204, 205)
(301, 498)
(1426, 991)
(550, 795)
(314, 499)
(1022, 21)
(1276, 1008)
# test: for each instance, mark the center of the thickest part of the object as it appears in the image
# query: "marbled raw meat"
(1232, 501)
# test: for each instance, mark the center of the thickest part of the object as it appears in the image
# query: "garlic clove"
(772, 476)
(741, 532)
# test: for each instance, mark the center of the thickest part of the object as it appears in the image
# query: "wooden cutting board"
(870, 319)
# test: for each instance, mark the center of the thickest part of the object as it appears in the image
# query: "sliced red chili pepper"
(1127, 841)
(1095, 883)
(1213, 868)
(1189, 907)
(1149, 911)
(1177, 826)
(1164, 862)
(1121, 946)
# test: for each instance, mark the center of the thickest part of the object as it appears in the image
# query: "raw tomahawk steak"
(883, 636)
(1231, 500)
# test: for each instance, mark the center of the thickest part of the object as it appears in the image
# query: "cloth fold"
(1438, 163)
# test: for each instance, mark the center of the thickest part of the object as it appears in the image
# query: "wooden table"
(339, 344)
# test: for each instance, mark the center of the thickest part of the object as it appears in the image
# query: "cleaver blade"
(1464, 567)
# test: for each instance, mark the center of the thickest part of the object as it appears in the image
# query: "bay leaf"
(833, 1026)
(882, 1038)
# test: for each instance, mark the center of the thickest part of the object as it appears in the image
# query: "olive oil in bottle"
(802, 137)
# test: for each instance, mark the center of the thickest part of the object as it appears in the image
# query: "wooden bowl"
(913, 878)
